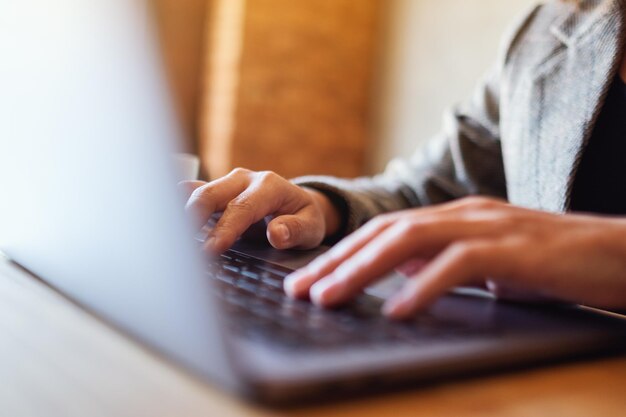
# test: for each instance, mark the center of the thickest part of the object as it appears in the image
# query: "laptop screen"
(87, 187)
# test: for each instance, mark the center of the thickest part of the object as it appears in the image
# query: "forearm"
(356, 200)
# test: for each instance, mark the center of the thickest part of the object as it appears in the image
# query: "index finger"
(240, 213)
(214, 196)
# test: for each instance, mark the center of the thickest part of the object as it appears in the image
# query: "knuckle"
(240, 204)
(202, 194)
(381, 220)
(477, 201)
(239, 172)
(480, 203)
(266, 177)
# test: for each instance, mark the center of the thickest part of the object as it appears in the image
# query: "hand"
(576, 258)
(302, 217)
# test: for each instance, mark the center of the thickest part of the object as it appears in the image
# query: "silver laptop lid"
(88, 199)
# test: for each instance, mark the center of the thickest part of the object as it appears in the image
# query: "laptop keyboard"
(257, 307)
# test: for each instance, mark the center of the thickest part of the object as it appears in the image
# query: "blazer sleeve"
(465, 158)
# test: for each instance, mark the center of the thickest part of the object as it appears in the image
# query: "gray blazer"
(522, 133)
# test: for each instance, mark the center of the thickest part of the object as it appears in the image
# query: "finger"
(412, 266)
(240, 213)
(429, 227)
(460, 263)
(302, 230)
(397, 244)
(214, 196)
(188, 187)
(391, 247)
(297, 284)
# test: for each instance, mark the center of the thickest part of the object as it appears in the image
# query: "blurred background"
(322, 86)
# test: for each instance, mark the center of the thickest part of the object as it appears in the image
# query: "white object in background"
(187, 166)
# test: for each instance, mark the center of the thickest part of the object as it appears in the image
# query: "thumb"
(302, 230)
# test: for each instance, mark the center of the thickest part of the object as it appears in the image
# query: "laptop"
(89, 204)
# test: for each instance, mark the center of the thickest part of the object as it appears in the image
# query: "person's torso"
(600, 182)
(557, 76)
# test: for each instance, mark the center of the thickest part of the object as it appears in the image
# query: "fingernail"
(290, 284)
(297, 283)
(283, 232)
(317, 293)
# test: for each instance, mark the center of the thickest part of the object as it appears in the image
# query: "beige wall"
(433, 53)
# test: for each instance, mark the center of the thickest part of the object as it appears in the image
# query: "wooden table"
(57, 360)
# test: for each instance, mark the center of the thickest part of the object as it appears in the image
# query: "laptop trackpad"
(291, 259)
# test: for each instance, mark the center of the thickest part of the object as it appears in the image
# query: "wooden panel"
(292, 94)
(182, 31)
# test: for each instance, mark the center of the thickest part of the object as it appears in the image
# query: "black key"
(247, 286)
(253, 290)
(225, 278)
(271, 295)
(272, 282)
(274, 269)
